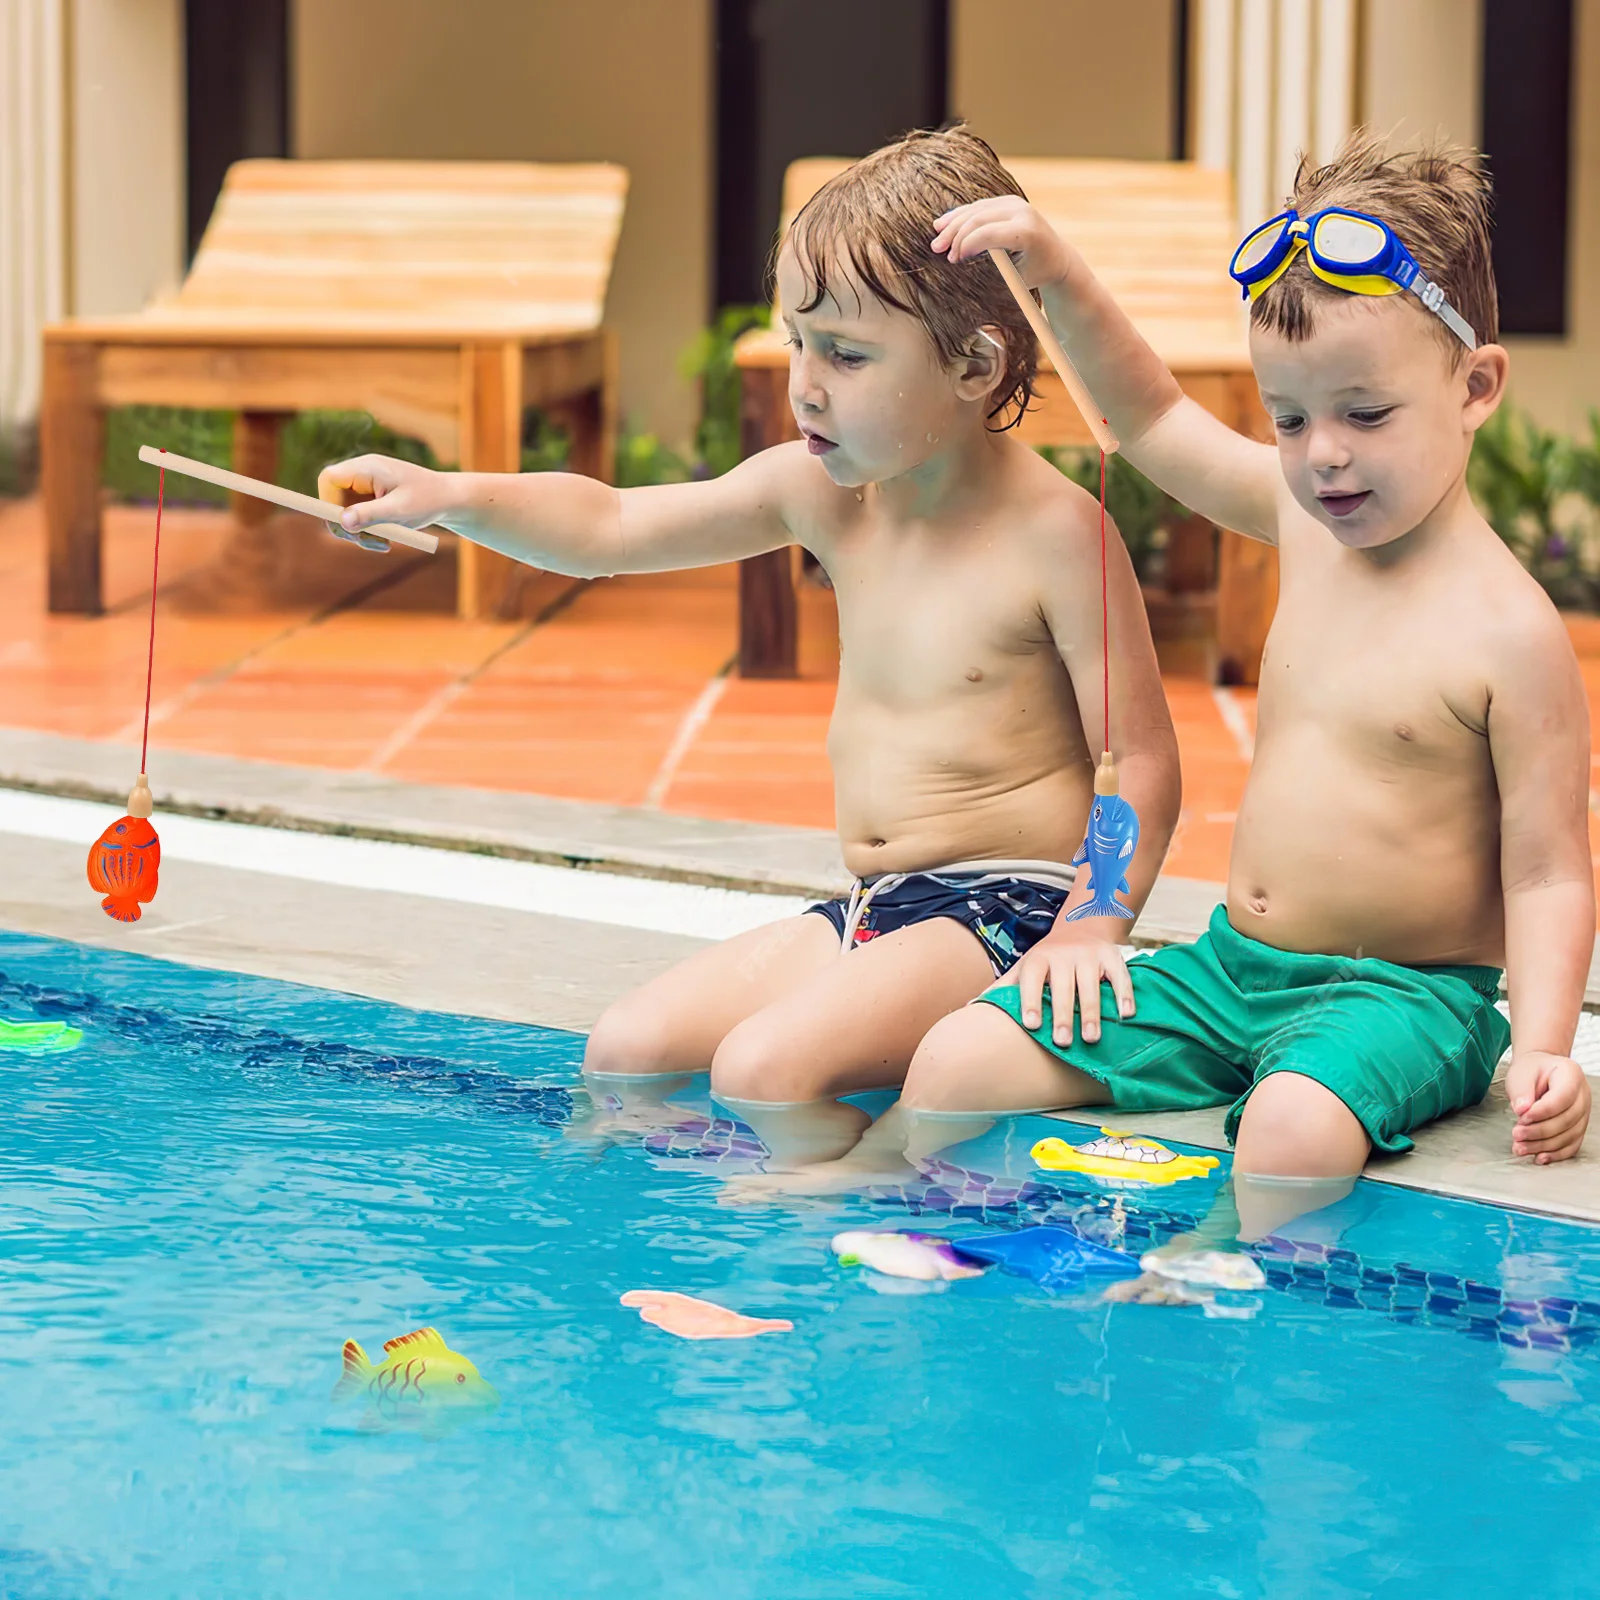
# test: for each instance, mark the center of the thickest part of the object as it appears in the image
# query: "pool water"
(231, 1176)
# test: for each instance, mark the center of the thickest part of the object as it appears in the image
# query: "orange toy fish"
(693, 1318)
(124, 859)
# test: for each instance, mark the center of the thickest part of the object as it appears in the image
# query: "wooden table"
(1159, 234)
(443, 297)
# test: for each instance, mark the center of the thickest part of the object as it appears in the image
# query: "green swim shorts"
(1399, 1045)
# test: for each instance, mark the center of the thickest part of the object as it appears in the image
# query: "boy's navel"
(1257, 901)
(974, 674)
(1403, 732)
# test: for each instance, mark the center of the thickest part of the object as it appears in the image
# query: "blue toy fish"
(1057, 1259)
(1109, 842)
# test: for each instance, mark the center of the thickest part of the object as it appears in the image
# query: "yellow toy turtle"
(1120, 1158)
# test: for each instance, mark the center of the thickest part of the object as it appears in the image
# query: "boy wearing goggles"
(1416, 814)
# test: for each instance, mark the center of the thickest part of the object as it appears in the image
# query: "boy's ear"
(1488, 368)
(982, 365)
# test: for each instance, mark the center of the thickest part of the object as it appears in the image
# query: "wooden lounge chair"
(1159, 233)
(443, 297)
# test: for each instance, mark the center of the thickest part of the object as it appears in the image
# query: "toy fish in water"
(1207, 1269)
(122, 867)
(39, 1038)
(904, 1255)
(1222, 1282)
(1108, 843)
(424, 1384)
(1057, 1259)
(1119, 1158)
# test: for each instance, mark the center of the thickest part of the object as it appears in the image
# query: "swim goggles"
(1351, 251)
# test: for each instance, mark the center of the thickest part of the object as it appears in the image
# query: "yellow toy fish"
(424, 1384)
(1121, 1159)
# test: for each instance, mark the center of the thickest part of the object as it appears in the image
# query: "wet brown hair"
(1438, 198)
(873, 222)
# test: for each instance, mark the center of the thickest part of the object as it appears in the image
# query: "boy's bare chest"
(920, 619)
(1384, 670)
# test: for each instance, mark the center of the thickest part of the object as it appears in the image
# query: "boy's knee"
(629, 1039)
(754, 1063)
(954, 1066)
(1294, 1127)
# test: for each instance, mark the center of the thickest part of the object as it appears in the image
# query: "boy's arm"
(1073, 957)
(565, 523)
(1539, 742)
(1174, 441)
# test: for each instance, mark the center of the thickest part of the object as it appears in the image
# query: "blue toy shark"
(1109, 842)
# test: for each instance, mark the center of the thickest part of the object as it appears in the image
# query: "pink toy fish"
(690, 1318)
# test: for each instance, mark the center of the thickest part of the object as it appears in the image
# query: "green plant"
(16, 462)
(643, 459)
(709, 362)
(545, 447)
(1141, 511)
(1540, 491)
(308, 442)
(203, 435)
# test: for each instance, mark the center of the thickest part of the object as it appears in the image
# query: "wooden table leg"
(255, 454)
(487, 583)
(591, 419)
(769, 644)
(1247, 596)
(769, 633)
(1191, 556)
(1247, 586)
(71, 444)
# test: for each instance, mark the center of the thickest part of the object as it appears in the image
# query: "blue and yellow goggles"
(1351, 251)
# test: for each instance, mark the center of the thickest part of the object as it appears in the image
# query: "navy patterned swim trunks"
(1007, 914)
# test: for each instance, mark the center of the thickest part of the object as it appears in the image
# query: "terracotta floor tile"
(807, 805)
(377, 643)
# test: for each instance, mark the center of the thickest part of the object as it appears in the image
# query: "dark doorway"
(811, 78)
(237, 79)
(1527, 136)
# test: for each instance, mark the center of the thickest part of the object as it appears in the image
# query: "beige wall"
(624, 80)
(1065, 77)
(1420, 66)
(126, 153)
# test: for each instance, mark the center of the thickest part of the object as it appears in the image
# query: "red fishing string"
(1105, 627)
(150, 662)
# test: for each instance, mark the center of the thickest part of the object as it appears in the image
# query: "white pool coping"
(650, 904)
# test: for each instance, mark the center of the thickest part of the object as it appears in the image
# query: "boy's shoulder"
(1513, 610)
(1047, 506)
(1493, 618)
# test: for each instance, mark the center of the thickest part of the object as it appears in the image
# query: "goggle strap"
(1435, 301)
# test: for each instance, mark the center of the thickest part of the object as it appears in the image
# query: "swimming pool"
(230, 1176)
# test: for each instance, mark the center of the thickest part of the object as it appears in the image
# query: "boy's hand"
(1071, 968)
(1007, 223)
(382, 489)
(1550, 1095)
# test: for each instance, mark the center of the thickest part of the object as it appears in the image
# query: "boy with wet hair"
(967, 572)
(1416, 813)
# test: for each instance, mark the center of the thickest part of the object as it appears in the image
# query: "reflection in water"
(805, 1132)
(625, 1106)
(1302, 1259)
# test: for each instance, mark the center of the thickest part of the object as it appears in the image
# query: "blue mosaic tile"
(1304, 1270)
